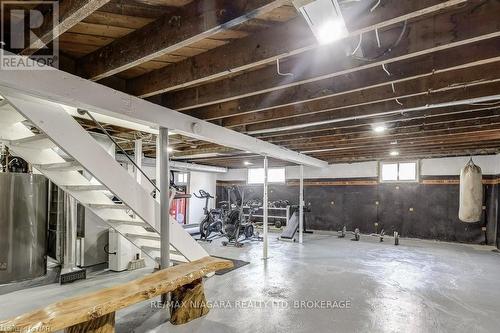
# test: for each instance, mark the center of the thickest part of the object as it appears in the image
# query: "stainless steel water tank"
(23, 226)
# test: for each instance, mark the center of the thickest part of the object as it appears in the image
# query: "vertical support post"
(157, 166)
(301, 205)
(70, 217)
(164, 202)
(138, 159)
(265, 209)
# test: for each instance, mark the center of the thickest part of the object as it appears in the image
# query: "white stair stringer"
(63, 130)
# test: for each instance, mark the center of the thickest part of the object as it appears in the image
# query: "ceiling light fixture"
(247, 163)
(394, 153)
(379, 128)
(324, 18)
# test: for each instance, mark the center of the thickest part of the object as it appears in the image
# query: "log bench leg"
(188, 302)
(104, 324)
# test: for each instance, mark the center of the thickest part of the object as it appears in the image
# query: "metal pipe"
(301, 205)
(164, 203)
(265, 203)
(82, 112)
(470, 101)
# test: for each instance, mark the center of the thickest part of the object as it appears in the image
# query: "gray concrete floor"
(419, 286)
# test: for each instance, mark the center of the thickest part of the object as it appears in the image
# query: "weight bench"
(95, 312)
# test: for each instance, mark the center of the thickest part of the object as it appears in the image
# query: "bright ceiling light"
(379, 128)
(170, 149)
(247, 163)
(330, 31)
(394, 153)
(324, 18)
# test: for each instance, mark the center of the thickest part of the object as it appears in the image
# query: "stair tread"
(151, 235)
(89, 187)
(107, 206)
(35, 141)
(60, 166)
(157, 248)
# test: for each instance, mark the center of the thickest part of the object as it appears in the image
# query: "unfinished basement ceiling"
(422, 80)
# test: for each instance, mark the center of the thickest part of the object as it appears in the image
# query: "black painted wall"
(414, 210)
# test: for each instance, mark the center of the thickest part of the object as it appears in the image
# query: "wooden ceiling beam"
(288, 39)
(437, 63)
(70, 12)
(379, 109)
(471, 134)
(392, 122)
(180, 27)
(406, 150)
(430, 84)
(414, 155)
(466, 25)
(417, 128)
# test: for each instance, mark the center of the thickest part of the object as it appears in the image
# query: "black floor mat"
(237, 264)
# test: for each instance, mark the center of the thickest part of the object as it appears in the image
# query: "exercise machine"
(235, 224)
(292, 226)
(212, 222)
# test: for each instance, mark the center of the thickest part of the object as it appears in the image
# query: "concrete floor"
(419, 286)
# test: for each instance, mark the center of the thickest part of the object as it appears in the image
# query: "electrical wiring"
(389, 49)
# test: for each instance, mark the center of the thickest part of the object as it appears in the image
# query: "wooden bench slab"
(98, 308)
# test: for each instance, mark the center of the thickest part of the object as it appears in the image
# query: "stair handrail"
(83, 112)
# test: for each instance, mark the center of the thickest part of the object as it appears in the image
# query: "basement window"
(399, 171)
(182, 178)
(274, 175)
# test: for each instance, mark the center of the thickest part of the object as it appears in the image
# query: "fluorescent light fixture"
(247, 163)
(394, 153)
(324, 18)
(379, 128)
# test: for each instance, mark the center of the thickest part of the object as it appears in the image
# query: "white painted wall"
(451, 165)
(204, 181)
(448, 166)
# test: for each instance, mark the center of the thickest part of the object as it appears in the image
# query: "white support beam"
(174, 165)
(138, 159)
(301, 205)
(265, 205)
(64, 88)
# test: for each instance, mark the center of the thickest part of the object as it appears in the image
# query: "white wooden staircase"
(136, 218)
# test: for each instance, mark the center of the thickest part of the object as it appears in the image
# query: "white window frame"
(177, 176)
(417, 171)
(269, 180)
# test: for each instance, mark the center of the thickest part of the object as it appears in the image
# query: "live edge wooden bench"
(95, 312)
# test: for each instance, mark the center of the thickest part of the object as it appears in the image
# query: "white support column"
(164, 186)
(157, 166)
(138, 159)
(164, 199)
(265, 203)
(301, 205)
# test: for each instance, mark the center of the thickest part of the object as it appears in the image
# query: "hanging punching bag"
(471, 193)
